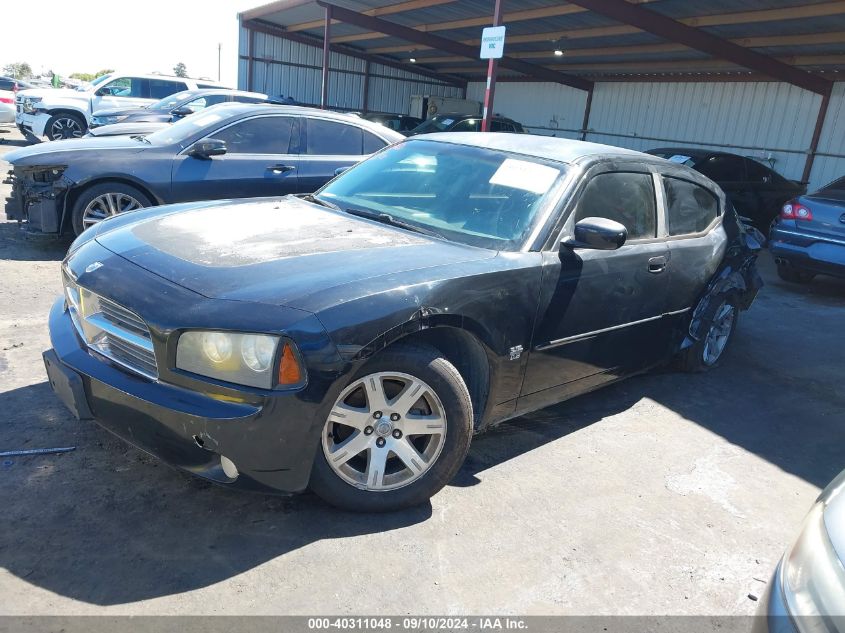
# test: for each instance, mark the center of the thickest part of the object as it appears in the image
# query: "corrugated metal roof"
(572, 29)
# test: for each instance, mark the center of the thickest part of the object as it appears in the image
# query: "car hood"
(56, 92)
(126, 129)
(57, 151)
(280, 251)
(123, 112)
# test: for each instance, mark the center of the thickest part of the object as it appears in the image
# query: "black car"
(12, 84)
(809, 235)
(756, 191)
(354, 339)
(176, 106)
(466, 123)
(396, 122)
(227, 151)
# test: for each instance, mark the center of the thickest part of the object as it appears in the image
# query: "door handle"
(657, 264)
(281, 169)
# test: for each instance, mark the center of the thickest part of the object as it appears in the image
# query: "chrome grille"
(111, 330)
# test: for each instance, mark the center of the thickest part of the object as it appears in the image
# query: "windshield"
(434, 124)
(87, 85)
(675, 157)
(168, 103)
(187, 127)
(473, 195)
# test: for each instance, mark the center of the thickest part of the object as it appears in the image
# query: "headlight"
(107, 120)
(813, 578)
(245, 359)
(29, 103)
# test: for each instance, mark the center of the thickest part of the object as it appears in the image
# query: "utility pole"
(219, 47)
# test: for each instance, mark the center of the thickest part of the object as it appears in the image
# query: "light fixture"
(413, 60)
(558, 52)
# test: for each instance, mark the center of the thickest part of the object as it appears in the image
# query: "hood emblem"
(90, 268)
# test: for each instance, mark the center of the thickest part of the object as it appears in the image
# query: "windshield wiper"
(386, 218)
(325, 203)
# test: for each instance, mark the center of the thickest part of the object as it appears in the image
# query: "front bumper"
(772, 615)
(808, 252)
(41, 204)
(270, 441)
(34, 123)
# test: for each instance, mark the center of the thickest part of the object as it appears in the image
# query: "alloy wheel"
(65, 127)
(385, 431)
(719, 333)
(106, 205)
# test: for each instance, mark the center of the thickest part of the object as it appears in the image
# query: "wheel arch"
(84, 185)
(453, 336)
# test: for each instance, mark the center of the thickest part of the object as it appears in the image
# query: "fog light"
(229, 468)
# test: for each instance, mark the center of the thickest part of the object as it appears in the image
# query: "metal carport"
(760, 77)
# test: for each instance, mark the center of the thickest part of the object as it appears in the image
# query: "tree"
(89, 76)
(180, 70)
(19, 70)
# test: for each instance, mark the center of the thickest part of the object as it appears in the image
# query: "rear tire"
(99, 202)
(65, 125)
(787, 273)
(708, 352)
(381, 452)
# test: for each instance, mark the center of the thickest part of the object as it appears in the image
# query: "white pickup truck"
(65, 113)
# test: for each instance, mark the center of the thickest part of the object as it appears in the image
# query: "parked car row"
(231, 150)
(66, 113)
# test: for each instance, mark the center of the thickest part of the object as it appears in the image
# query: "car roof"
(199, 92)
(693, 152)
(547, 147)
(233, 110)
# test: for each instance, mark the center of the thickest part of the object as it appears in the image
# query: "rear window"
(326, 138)
(691, 208)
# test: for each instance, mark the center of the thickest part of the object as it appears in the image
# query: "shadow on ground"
(16, 245)
(148, 531)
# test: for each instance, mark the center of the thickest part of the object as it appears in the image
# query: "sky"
(153, 35)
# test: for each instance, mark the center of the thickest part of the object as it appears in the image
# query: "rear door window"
(372, 143)
(161, 88)
(330, 138)
(625, 197)
(260, 135)
(690, 207)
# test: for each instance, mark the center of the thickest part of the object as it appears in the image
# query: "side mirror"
(207, 148)
(101, 92)
(340, 170)
(598, 233)
(182, 111)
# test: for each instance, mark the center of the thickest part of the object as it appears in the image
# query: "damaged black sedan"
(354, 340)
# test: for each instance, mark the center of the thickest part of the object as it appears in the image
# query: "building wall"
(294, 69)
(769, 121)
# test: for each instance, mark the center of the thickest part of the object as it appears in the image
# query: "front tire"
(397, 433)
(65, 125)
(708, 352)
(105, 200)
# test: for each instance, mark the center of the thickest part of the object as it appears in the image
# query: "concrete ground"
(665, 494)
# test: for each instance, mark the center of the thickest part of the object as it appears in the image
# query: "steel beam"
(327, 55)
(492, 68)
(450, 46)
(667, 28)
(268, 28)
(814, 142)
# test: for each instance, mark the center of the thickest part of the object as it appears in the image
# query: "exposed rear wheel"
(61, 126)
(396, 435)
(710, 349)
(105, 200)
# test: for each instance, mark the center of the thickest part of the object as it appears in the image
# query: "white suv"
(64, 113)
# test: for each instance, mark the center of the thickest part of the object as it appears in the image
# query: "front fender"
(50, 105)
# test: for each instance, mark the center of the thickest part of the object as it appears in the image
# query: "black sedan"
(354, 339)
(465, 123)
(176, 106)
(809, 236)
(756, 191)
(227, 151)
(397, 122)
